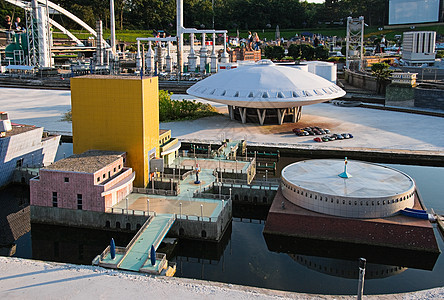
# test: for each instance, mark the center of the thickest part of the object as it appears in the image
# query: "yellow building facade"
(120, 114)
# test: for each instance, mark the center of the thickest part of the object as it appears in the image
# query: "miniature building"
(266, 93)
(404, 78)
(94, 180)
(169, 147)
(365, 204)
(418, 47)
(119, 114)
(23, 146)
(373, 192)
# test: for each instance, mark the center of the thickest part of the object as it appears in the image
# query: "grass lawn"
(130, 36)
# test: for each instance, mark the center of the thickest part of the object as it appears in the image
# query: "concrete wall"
(187, 227)
(364, 81)
(86, 219)
(421, 96)
(429, 98)
(400, 95)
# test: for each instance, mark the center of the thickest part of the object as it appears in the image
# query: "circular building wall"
(373, 191)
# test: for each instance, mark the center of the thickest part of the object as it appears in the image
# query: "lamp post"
(362, 262)
(180, 210)
(148, 206)
(230, 193)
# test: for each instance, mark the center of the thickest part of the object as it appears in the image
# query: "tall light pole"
(112, 27)
(212, 8)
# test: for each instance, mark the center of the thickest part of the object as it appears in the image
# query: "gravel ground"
(29, 279)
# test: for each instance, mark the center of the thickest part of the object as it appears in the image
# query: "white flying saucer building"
(265, 92)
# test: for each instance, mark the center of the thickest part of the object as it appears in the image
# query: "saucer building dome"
(266, 93)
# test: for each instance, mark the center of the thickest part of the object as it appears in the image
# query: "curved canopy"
(266, 85)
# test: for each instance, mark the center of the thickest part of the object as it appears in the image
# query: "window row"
(350, 202)
(55, 202)
(109, 173)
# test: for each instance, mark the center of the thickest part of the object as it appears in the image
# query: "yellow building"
(120, 114)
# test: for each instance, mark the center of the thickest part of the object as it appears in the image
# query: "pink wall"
(49, 181)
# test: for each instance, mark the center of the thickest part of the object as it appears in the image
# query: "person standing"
(17, 24)
(250, 41)
(7, 23)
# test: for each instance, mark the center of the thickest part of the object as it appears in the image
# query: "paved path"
(29, 279)
(371, 128)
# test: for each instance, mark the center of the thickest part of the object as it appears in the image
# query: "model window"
(66, 179)
(119, 167)
(114, 170)
(104, 176)
(79, 201)
(98, 179)
(54, 199)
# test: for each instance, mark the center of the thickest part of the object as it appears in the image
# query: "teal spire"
(345, 173)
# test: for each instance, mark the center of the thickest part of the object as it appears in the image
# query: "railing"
(133, 212)
(205, 219)
(165, 229)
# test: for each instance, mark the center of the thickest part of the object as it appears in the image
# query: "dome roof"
(266, 85)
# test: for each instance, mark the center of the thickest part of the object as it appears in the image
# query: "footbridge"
(136, 255)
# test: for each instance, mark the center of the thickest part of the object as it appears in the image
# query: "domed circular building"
(370, 191)
(265, 92)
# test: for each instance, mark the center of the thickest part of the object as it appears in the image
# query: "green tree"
(274, 52)
(382, 72)
(294, 50)
(321, 52)
(307, 52)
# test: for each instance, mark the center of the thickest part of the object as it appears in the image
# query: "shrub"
(321, 52)
(294, 50)
(274, 52)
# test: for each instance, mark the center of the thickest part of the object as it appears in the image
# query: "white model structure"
(418, 47)
(355, 42)
(38, 25)
(265, 93)
(373, 191)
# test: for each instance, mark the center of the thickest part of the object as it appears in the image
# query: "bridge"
(136, 255)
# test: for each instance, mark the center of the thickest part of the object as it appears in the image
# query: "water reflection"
(341, 259)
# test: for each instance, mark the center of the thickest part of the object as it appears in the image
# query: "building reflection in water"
(341, 259)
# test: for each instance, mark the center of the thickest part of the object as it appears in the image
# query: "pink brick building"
(94, 180)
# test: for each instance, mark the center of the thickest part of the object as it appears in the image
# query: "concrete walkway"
(29, 279)
(371, 128)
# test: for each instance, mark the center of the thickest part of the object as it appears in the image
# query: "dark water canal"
(246, 257)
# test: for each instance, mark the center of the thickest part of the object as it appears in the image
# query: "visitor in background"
(316, 41)
(257, 41)
(17, 24)
(250, 41)
(7, 23)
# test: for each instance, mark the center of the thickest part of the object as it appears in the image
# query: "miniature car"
(317, 139)
(326, 139)
(346, 135)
